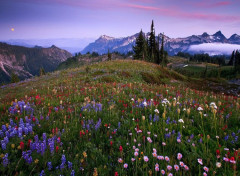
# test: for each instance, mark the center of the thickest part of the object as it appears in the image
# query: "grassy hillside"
(118, 117)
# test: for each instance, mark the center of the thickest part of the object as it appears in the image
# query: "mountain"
(26, 62)
(172, 45)
(72, 45)
(101, 45)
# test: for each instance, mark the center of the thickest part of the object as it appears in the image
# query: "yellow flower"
(19, 147)
(84, 154)
(36, 161)
(188, 111)
(82, 160)
(13, 146)
(7, 125)
(143, 117)
(15, 100)
(164, 115)
(178, 111)
(2, 155)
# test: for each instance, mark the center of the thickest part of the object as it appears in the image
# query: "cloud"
(209, 4)
(214, 48)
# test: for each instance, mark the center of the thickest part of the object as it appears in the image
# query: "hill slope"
(26, 62)
(120, 117)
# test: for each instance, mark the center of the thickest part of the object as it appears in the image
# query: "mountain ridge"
(172, 45)
(26, 62)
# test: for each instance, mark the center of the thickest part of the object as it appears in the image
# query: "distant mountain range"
(26, 62)
(72, 45)
(172, 45)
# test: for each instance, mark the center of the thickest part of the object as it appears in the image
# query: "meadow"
(117, 118)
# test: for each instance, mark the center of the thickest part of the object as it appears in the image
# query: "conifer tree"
(140, 49)
(231, 62)
(163, 53)
(109, 55)
(237, 61)
(158, 56)
(42, 71)
(14, 78)
(152, 44)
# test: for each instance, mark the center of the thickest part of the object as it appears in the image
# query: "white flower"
(213, 105)
(180, 121)
(218, 164)
(132, 99)
(200, 108)
(145, 103)
(156, 111)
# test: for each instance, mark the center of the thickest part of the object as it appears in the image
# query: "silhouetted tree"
(109, 55)
(152, 44)
(140, 49)
(14, 78)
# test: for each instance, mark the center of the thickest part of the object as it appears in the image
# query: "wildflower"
(73, 173)
(145, 158)
(169, 167)
(170, 174)
(200, 108)
(133, 159)
(162, 172)
(120, 148)
(205, 169)
(163, 143)
(145, 103)
(36, 161)
(116, 174)
(160, 157)
(156, 169)
(5, 160)
(186, 167)
(154, 155)
(204, 174)
(22, 145)
(232, 160)
(179, 156)
(154, 150)
(156, 111)
(181, 164)
(167, 158)
(125, 166)
(49, 165)
(180, 121)
(225, 159)
(84, 154)
(143, 118)
(120, 160)
(176, 167)
(218, 164)
(200, 161)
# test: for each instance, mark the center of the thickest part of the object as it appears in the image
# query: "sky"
(42, 19)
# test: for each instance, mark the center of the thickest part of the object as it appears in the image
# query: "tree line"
(147, 48)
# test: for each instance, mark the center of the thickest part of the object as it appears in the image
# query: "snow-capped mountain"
(172, 45)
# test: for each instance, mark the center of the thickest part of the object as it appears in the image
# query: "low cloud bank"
(214, 48)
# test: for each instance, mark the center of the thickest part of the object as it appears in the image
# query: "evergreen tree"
(163, 53)
(140, 49)
(152, 44)
(158, 56)
(109, 55)
(14, 78)
(237, 61)
(42, 71)
(231, 62)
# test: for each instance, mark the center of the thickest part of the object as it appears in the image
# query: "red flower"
(218, 152)
(116, 174)
(22, 145)
(33, 119)
(111, 143)
(120, 148)
(57, 148)
(29, 142)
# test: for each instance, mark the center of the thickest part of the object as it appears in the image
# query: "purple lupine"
(5, 160)
(42, 173)
(73, 173)
(69, 165)
(49, 165)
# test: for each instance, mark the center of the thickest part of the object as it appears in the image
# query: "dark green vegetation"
(149, 49)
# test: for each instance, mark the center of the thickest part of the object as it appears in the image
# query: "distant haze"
(214, 48)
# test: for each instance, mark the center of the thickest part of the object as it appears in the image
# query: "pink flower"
(200, 161)
(181, 164)
(156, 169)
(162, 172)
(125, 165)
(135, 153)
(160, 157)
(169, 167)
(120, 160)
(167, 158)
(205, 169)
(154, 155)
(186, 167)
(176, 167)
(204, 174)
(179, 156)
(145, 158)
